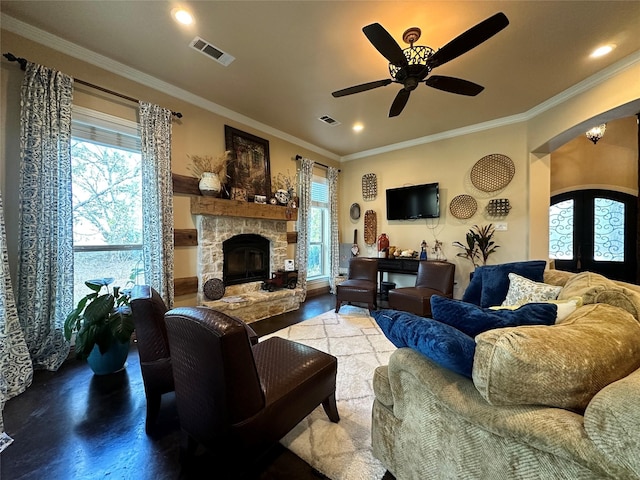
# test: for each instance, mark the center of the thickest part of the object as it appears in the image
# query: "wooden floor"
(71, 424)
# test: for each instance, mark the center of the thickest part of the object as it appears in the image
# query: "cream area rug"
(342, 451)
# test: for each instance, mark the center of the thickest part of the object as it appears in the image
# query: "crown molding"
(73, 50)
(40, 36)
(587, 84)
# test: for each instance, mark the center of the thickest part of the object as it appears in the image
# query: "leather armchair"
(361, 285)
(148, 311)
(238, 399)
(434, 278)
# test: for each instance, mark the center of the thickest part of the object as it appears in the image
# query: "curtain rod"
(299, 157)
(23, 66)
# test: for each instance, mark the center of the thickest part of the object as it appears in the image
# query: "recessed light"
(601, 51)
(182, 16)
(358, 127)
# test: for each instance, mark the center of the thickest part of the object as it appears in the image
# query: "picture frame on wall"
(249, 170)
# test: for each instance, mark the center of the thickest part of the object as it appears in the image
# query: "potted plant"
(103, 324)
(212, 172)
(479, 244)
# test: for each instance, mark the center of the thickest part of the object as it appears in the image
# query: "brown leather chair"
(148, 311)
(361, 285)
(238, 399)
(434, 278)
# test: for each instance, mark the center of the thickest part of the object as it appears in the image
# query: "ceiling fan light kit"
(411, 66)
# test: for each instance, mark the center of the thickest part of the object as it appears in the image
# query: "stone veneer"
(255, 303)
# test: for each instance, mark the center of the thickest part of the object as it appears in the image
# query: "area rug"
(342, 451)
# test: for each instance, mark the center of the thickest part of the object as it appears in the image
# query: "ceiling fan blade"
(399, 102)
(454, 85)
(469, 39)
(385, 44)
(362, 88)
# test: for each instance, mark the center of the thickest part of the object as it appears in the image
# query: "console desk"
(404, 265)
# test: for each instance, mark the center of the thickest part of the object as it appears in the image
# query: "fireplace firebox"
(245, 259)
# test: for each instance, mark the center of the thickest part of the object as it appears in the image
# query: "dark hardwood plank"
(185, 184)
(185, 285)
(187, 237)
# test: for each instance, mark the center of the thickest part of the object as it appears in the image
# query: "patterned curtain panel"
(304, 209)
(45, 268)
(16, 371)
(332, 177)
(157, 199)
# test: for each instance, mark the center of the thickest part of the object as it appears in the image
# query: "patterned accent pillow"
(522, 290)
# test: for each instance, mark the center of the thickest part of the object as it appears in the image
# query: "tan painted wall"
(199, 131)
(446, 161)
(449, 163)
(611, 164)
(615, 97)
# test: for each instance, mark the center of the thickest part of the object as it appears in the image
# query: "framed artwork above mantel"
(249, 171)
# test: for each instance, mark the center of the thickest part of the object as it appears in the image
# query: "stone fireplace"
(255, 248)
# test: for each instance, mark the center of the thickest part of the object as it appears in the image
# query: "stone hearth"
(246, 301)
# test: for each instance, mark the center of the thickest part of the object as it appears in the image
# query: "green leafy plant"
(101, 318)
(479, 244)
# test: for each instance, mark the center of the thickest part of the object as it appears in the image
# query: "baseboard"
(318, 291)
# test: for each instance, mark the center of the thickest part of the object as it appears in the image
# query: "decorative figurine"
(423, 250)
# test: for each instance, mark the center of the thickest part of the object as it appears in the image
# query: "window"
(561, 230)
(319, 238)
(608, 230)
(107, 199)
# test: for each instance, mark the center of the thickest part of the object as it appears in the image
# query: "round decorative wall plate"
(463, 206)
(354, 211)
(213, 289)
(369, 186)
(492, 172)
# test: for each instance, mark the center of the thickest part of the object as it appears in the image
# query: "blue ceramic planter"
(112, 361)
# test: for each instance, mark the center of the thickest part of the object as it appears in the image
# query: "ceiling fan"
(413, 65)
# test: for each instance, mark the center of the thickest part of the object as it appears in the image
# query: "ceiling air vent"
(209, 50)
(328, 120)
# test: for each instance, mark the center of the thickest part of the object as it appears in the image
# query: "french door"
(595, 231)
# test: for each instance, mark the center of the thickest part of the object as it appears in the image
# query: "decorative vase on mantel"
(210, 185)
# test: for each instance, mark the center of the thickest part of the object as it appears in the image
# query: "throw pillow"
(439, 342)
(617, 296)
(562, 365)
(557, 277)
(472, 319)
(473, 292)
(595, 288)
(584, 283)
(522, 290)
(565, 307)
(490, 283)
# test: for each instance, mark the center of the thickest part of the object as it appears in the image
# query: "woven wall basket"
(492, 172)
(463, 206)
(370, 227)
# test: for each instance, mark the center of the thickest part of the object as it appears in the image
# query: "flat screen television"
(415, 201)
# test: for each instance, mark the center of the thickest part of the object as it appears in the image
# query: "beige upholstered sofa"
(541, 404)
